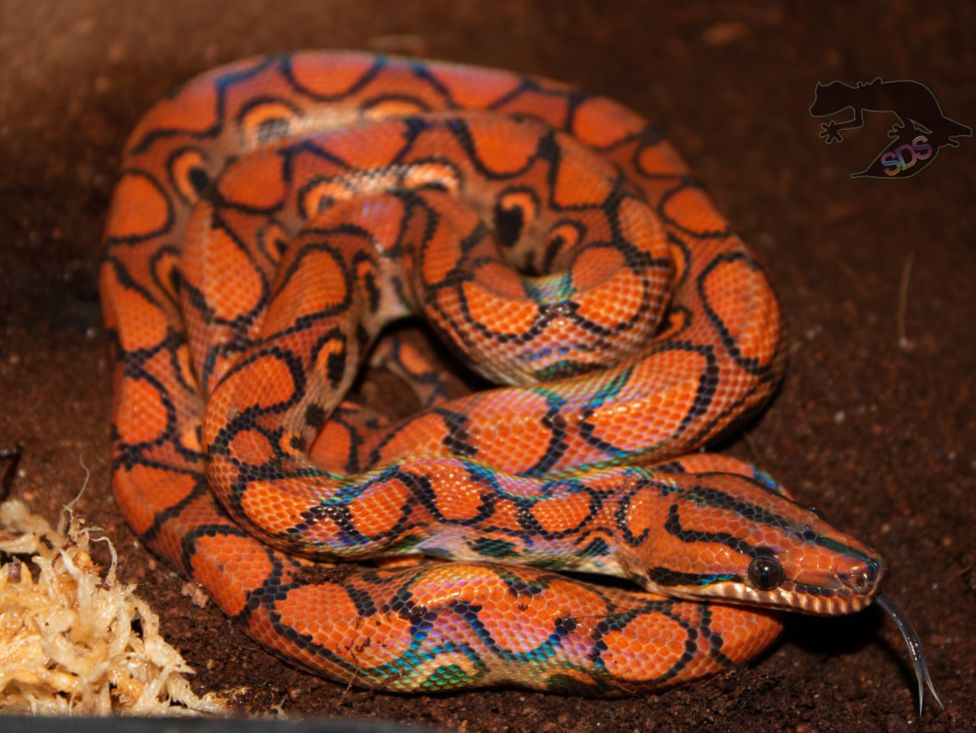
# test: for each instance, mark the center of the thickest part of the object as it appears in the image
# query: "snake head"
(727, 537)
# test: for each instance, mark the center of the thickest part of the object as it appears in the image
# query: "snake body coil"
(273, 216)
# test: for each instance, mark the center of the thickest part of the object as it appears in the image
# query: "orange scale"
(506, 516)
(230, 567)
(199, 232)
(675, 369)
(263, 383)
(255, 181)
(731, 289)
(420, 434)
(251, 446)
(222, 254)
(600, 122)
(692, 209)
(497, 315)
(498, 149)
(476, 89)
(317, 284)
(378, 509)
(641, 226)
(144, 491)
(451, 583)
(690, 613)
(576, 599)
(646, 511)
(647, 420)
(142, 415)
(329, 74)
(378, 146)
(696, 517)
(661, 159)
(521, 623)
(275, 509)
(520, 441)
(645, 649)
(744, 631)
(441, 254)
(332, 446)
(456, 495)
(140, 207)
(595, 265)
(563, 514)
(578, 185)
(160, 366)
(713, 462)
(387, 638)
(437, 143)
(500, 281)
(141, 324)
(605, 306)
(302, 609)
(260, 627)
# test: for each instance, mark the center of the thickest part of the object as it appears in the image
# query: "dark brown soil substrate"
(881, 437)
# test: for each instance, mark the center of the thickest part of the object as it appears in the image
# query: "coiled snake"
(273, 216)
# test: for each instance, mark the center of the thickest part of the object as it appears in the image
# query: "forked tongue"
(914, 650)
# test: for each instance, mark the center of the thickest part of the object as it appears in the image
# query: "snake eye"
(765, 572)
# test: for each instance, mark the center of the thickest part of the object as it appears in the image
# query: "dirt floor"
(875, 423)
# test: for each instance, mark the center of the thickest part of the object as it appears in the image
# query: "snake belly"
(274, 215)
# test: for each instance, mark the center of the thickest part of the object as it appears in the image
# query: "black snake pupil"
(766, 573)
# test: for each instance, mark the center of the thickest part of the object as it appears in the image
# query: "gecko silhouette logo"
(920, 132)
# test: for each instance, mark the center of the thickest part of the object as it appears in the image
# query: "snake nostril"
(863, 580)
